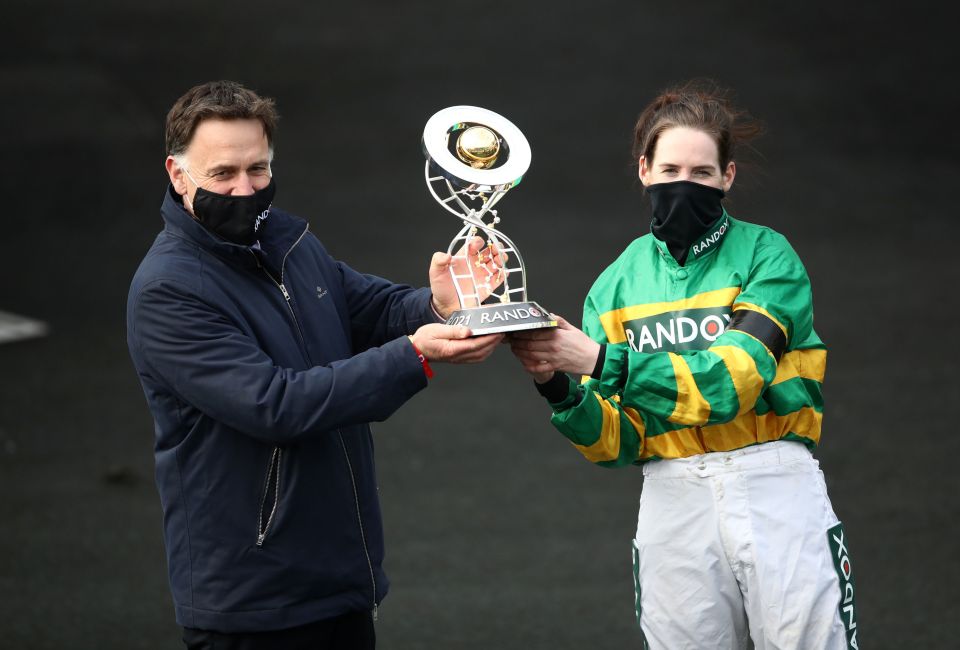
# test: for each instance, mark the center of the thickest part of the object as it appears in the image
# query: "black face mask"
(682, 213)
(237, 219)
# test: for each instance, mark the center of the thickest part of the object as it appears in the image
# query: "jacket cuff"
(436, 315)
(410, 373)
(560, 391)
(554, 389)
(422, 312)
(598, 367)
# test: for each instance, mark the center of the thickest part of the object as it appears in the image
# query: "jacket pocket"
(271, 495)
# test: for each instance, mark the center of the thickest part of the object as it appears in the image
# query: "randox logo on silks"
(712, 240)
(848, 603)
(673, 331)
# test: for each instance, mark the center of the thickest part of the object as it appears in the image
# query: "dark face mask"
(682, 213)
(237, 219)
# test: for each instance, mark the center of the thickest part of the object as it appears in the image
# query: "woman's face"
(684, 154)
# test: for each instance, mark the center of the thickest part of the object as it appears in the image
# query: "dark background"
(499, 535)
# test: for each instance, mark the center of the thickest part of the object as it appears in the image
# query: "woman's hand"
(564, 348)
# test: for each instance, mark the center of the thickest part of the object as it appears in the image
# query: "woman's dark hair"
(223, 100)
(698, 104)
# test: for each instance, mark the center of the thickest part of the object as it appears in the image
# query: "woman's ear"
(728, 175)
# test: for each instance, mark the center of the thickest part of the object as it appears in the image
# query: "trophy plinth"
(474, 156)
(502, 317)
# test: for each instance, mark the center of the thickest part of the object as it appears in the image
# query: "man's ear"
(177, 178)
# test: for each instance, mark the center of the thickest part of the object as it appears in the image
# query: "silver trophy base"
(502, 317)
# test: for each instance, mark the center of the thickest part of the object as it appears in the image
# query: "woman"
(701, 364)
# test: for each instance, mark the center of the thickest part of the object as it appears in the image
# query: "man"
(262, 360)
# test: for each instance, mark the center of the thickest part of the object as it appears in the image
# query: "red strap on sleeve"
(427, 370)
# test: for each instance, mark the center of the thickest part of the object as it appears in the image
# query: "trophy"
(474, 156)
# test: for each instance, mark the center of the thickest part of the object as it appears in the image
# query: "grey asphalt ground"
(499, 535)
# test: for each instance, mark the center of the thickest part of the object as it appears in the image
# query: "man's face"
(226, 157)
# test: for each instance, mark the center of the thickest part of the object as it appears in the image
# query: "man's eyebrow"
(231, 167)
(221, 167)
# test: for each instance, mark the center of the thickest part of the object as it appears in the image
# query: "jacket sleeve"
(702, 387)
(600, 427)
(380, 310)
(206, 361)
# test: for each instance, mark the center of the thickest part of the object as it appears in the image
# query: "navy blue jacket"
(262, 370)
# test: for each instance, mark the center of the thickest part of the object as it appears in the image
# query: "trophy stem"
(496, 193)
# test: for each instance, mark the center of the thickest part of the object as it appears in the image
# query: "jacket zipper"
(363, 536)
(346, 455)
(273, 468)
(286, 294)
(277, 455)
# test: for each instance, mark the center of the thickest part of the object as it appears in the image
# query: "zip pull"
(374, 612)
(283, 290)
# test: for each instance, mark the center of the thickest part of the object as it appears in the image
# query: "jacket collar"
(705, 246)
(279, 234)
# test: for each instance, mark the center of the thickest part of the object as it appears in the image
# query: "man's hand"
(487, 265)
(545, 351)
(452, 343)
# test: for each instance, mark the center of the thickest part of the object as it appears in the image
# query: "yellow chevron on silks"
(744, 430)
(607, 446)
(807, 364)
(743, 371)
(612, 321)
(692, 407)
(763, 343)
(634, 416)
